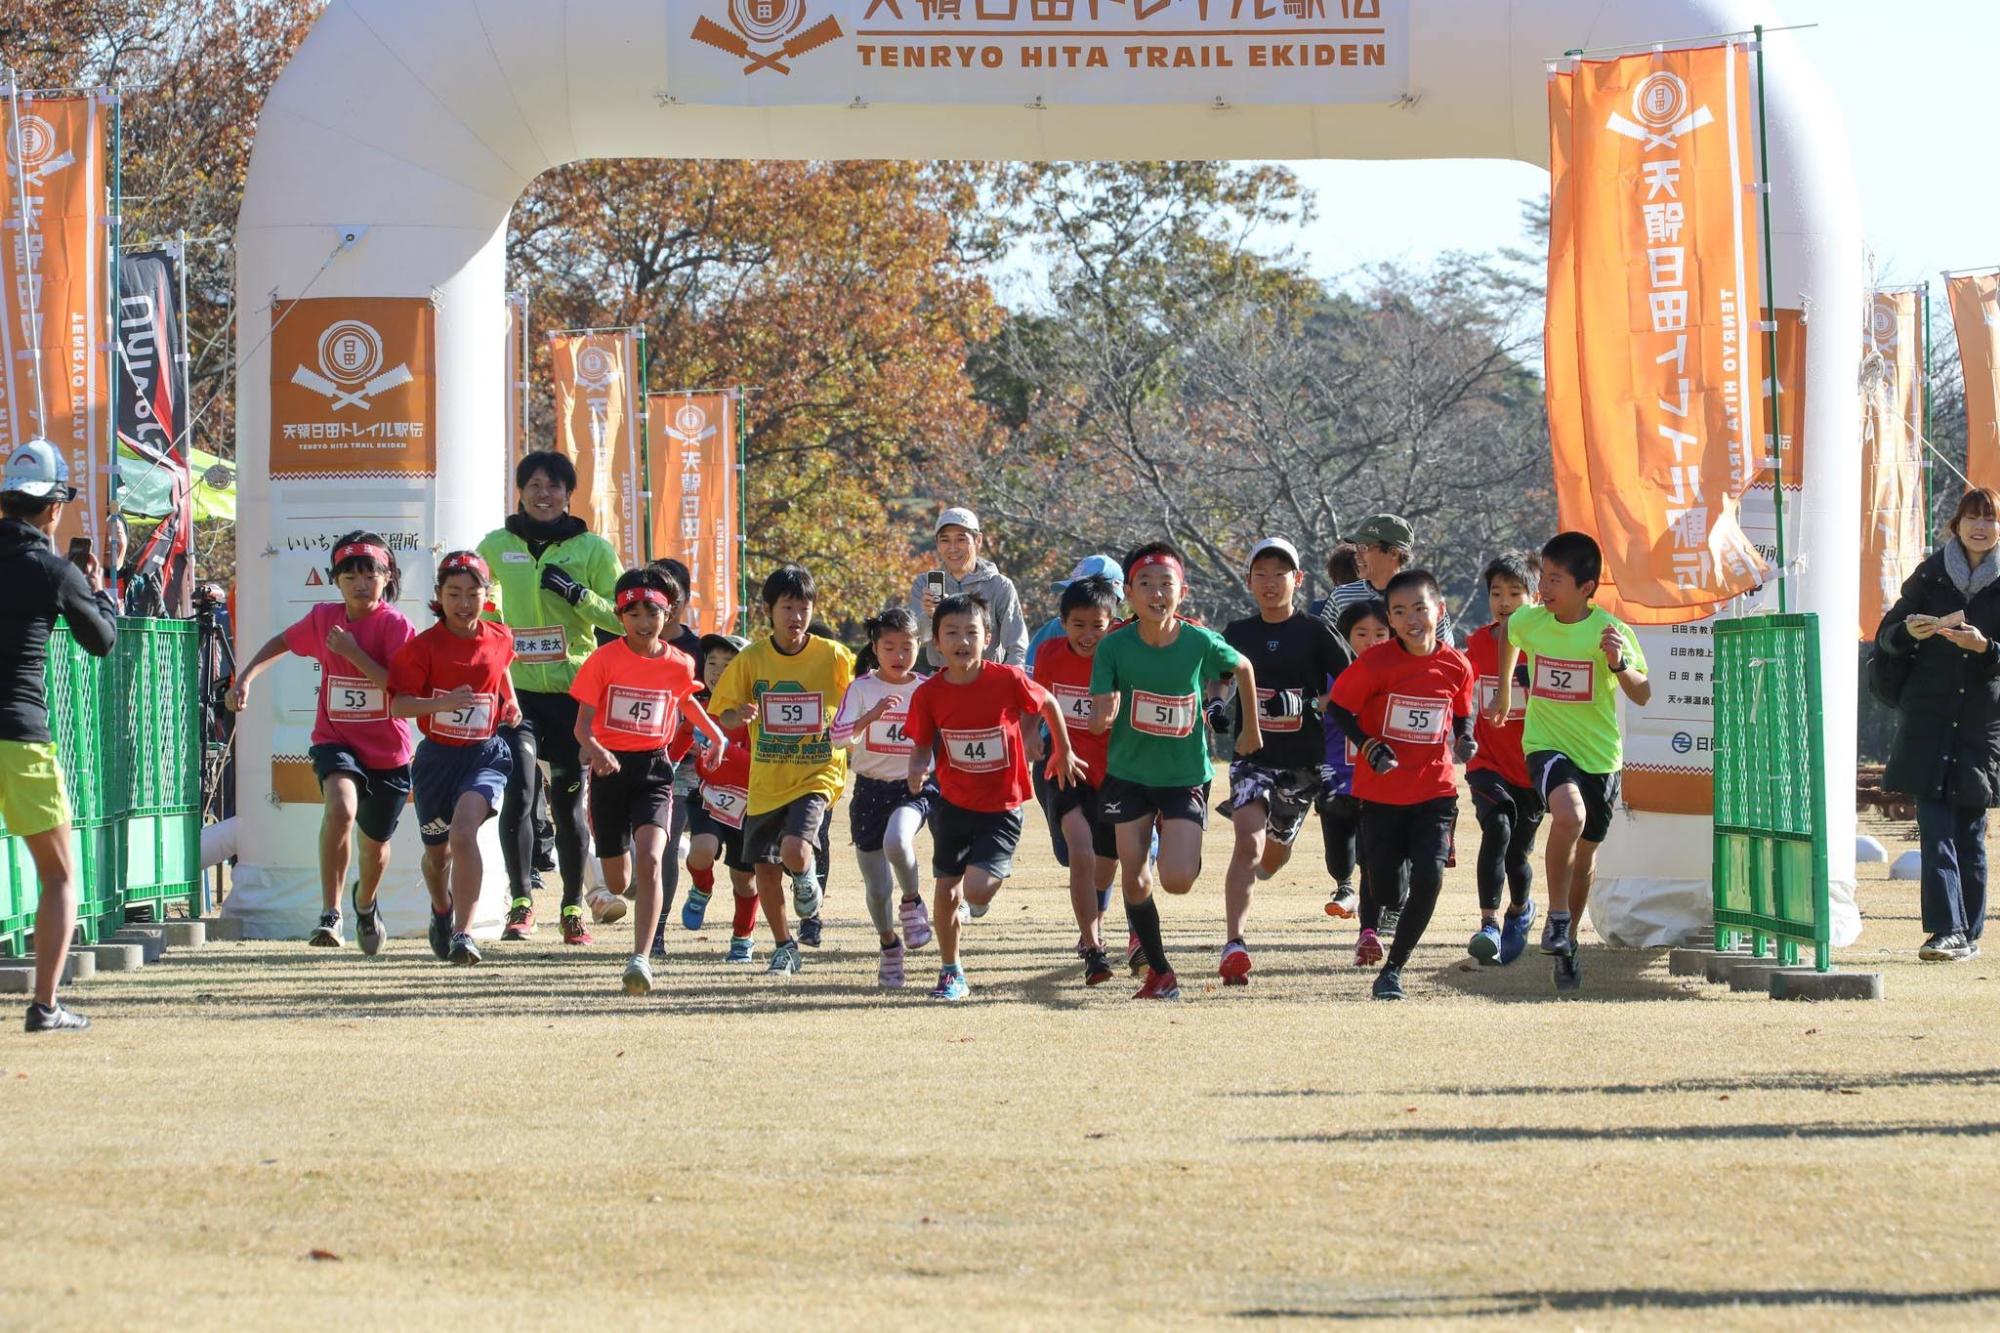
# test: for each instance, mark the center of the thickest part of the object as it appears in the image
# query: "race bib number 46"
(1564, 681)
(474, 722)
(1162, 714)
(793, 714)
(983, 751)
(542, 645)
(1075, 704)
(888, 734)
(638, 712)
(355, 699)
(1489, 690)
(1416, 721)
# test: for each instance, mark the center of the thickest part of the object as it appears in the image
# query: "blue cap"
(1102, 566)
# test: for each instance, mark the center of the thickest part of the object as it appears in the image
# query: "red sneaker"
(1235, 964)
(574, 931)
(1367, 949)
(1135, 957)
(520, 921)
(1159, 986)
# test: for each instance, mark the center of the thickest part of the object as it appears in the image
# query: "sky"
(1926, 207)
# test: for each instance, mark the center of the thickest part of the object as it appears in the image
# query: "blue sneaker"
(441, 935)
(695, 910)
(810, 930)
(951, 985)
(1514, 933)
(1485, 946)
(742, 949)
(785, 960)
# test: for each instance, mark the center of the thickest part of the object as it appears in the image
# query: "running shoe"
(573, 929)
(810, 929)
(951, 985)
(1485, 946)
(916, 924)
(742, 949)
(606, 908)
(1159, 986)
(1947, 946)
(1135, 956)
(1344, 903)
(889, 968)
(464, 953)
(1367, 949)
(1389, 984)
(441, 935)
(977, 909)
(695, 910)
(1235, 964)
(54, 1018)
(1391, 916)
(1514, 933)
(369, 930)
(659, 946)
(1971, 947)
(1096, 968)
(326, 935)
(805, 893)
(785, 959)
(1569, 971)
(964, 912)
(1556, 934)
(638, 979)
(520, 920)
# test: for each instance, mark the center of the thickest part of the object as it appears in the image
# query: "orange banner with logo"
(1668, 329)
(53, 272)
(691, 458)
(515, 412)
(1791, 414)
(353, 388)
(1975, 315)
(596, 382)
(1892, 465)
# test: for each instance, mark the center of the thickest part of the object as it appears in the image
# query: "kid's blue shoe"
(695, 910)
(951, 985)
(1486, 945)
(1514, 934)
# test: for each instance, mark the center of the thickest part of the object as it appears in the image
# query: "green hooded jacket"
(551, 637)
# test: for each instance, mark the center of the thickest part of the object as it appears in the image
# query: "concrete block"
(1909, 865)
(17, 975)
(81, 964)
(116, 957)
(1720, 966)
(150, 938)
(186, 934)
(1754, 975)
(223, 927)
(1693, 962)
(1802, 983)
(1867, 850)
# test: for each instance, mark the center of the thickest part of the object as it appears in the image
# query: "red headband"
(1156, 558)
(631, 597)
(362, 551)
(464, 562)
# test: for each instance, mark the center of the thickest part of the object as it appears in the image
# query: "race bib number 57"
(1416, 721)
(474, 722)
(1169, 715)
(1564, 681)
(793, 714)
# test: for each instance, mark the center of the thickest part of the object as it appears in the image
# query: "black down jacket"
(1947, 745)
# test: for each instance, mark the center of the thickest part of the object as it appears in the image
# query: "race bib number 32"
(474, 722)
(1416, 721)
(639, 712)
(983, 751)
(792, 714)
(1564, 681)
(726, 804)
(1169, 715)
(355, 699)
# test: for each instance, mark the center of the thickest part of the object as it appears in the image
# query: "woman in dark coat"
(1947, 748)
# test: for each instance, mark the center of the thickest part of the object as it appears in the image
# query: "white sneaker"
(916, 924)
(638, 975)
(964, 911)
(805, 893)
(889, 971)
(606, 907)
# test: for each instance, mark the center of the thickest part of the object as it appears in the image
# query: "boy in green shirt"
(1146, 683)
(1582, 655)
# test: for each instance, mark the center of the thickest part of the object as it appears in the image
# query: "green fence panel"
(1770, 868)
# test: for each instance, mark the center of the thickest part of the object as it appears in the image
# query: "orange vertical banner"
(596, 377)
(53, 269)
(1892, 473)
(691, 457)
(516, 395)
(1975, 315)
(1575, 510)
(1669, 324)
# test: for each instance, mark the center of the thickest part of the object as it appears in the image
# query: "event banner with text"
(1892, 465)
(353, 388)
(691, 459)
(53, 271)
(1019, 52)
(1975, 315)
(597, 411)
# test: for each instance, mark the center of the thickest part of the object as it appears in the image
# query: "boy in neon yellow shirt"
(1582, 657)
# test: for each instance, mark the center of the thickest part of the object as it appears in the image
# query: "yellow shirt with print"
(792, 753)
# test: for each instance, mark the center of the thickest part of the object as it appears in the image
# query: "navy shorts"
(962, 839)
(1549, 769)
(1082, 796)
(641, 792)
(382, 792)
(875, 799)
(443, 773)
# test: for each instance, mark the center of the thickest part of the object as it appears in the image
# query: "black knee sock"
(1145, 922)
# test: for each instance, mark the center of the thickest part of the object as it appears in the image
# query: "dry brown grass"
(523, 1145)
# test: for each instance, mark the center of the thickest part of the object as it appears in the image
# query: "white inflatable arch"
(397, 140)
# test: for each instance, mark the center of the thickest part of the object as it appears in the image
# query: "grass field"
(524, 1145)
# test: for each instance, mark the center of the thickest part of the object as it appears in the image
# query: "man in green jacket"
(554, 581)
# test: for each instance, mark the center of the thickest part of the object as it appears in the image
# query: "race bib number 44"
(1565, 681)
(1416, 721)
(793, 714)
(355, 699)
(474, 722)
(1075, 704)
(542, 645)
(983, 751)
(1489, 690)
(638, 712)
(1169, 715)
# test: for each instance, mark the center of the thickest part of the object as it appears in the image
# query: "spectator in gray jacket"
(962, 570)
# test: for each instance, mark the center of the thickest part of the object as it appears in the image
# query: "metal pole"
(643, 447)
(1771, 337)
(1923, 432)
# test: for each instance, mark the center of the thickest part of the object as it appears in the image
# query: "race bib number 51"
(983, 751)
(793, 714)
(1162, 714)
(1416, 721)
(1564, 681)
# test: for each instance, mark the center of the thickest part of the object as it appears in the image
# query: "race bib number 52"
(793, 714)
(1564, 681)
(1162, 714)
(983, 751)
(1416, 721)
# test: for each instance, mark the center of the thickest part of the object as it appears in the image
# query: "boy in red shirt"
(970, 713)
(453, 679)
(715, 825)
(1503, 796)
(1062, 667)
(631, 696)
(1407, 706)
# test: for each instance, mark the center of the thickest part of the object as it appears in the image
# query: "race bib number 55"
(1416, 721)
(983, 751)
(1162, 714)
(793, 714)
(1564, 681)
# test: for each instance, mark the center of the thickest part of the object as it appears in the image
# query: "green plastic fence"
(127, 733)
(1770, 788)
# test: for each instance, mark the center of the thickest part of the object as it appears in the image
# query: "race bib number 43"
(355, 699)
(542, 645)
(793, 714)
(1075, 704)
(638, 712)
(474, 722)
(1489, 690)
(1162, 714)
(983, 751)
(1416, 721)
(1564, 681)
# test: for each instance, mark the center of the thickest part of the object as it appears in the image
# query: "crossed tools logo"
(350, 366)
(596, 367)
(32, 146)
(764, 34)
(690, 425)
(1660, 101)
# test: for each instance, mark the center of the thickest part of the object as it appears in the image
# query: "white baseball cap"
(1278, 545)
(37, 468)
(963, 518)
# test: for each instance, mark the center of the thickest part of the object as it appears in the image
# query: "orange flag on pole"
(1892, 476)
(596, 378)
(691, 457)
(1975, 315)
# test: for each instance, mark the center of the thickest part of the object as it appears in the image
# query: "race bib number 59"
(983, 751)
(1564, 681)
(793, 714)
(1169, 715)
(1416, 721)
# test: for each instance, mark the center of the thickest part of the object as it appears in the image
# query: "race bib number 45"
(1169, 715)
(1565, 681)
(355, 699)
(542, 645)
(474, 722)
(1075, 704)
(1416, 721)
(639, 712)
(1489, 690)
(793, 714)
(983, 751)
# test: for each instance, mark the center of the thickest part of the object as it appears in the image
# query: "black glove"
(1463, 748)
(1284, 703)
(1217, 713)
(1381, 755)
(559, 582)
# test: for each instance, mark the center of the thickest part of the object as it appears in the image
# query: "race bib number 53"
(1416, 721)
(1162, 714)
(983, 751)
(793, 714)
(1564, 681)
(355, 699)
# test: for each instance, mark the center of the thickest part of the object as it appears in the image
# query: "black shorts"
(382, 792)
(962, 839)
(874, 800)
(1082, 796)
(1122, 802)
(702, 824)
(764, 835)
(641, 792)
(1493, 794)
(1550, 769)
(1287, 795)
(552, 717)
